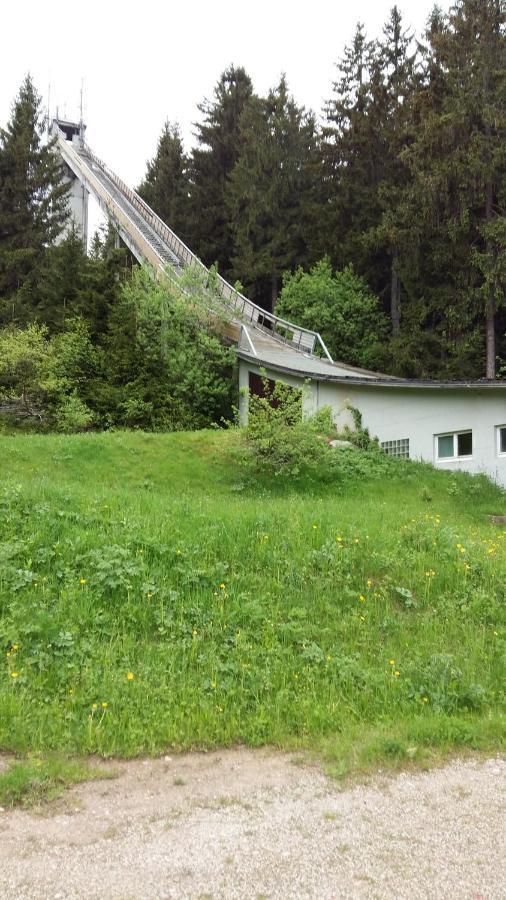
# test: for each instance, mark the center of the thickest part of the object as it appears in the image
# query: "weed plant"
(153, 595)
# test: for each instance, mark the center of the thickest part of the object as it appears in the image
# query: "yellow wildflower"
(222, 587)
(14, 674)
(130, 676)
(82, 581)
(105, 704)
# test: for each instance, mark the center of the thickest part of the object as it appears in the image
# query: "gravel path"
(258, 824)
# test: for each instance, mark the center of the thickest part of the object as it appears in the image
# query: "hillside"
(153, 596)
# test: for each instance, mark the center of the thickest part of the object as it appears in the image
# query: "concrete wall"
(77, 203)
(419, 414)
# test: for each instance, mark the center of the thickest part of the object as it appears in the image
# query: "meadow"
(154, 595)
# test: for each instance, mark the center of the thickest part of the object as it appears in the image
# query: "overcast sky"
(144, 62)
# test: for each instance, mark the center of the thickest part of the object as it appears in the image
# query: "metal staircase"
(152, 242)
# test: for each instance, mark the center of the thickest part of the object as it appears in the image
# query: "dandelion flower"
(93, 705)
(105, 704)
(397, 673)
(130, 676)
(222, 587)
(14, 674)
(82, 581)
(362, 598)
(391, 662)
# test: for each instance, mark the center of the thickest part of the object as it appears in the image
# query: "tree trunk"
(491, 306)
(274, 292)
(395, 296)
(490, 371)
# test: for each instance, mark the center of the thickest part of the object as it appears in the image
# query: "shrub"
(280, 441)
(72, 414)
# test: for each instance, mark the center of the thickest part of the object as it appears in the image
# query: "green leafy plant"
(280, 441)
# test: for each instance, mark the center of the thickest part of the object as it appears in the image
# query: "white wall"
(77, 203)
(393, 413)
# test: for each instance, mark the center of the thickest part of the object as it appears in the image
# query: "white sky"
(144, 62)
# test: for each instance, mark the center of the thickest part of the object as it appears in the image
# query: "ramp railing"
(298, 337)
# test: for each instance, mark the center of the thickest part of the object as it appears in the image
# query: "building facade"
(455, 426)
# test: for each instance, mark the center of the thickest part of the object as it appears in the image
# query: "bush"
(72, 414)
(280, 441)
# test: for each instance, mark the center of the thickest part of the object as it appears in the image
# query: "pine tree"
(166, 185)
(212, 162)
(33, 202)
(270, 191)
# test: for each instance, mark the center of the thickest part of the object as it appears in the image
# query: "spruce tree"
(458, 160)
(354, 157)
(393, 86)
(270, 191)
(166, 185)
(33, 202)
(213, 160)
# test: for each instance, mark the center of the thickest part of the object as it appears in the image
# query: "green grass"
(33, 782)
(151, 596)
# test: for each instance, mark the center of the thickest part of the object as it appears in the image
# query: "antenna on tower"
(81, 129)
(48, 106)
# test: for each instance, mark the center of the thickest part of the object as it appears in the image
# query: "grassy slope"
(147, 600)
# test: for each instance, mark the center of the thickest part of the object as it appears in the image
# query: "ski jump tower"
(78, 194)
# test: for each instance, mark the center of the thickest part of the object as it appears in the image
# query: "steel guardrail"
(301, 338)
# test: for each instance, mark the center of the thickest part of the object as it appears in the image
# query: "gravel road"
(259, 824)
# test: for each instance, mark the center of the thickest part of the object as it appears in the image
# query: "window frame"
(498, 429)
(455, 436)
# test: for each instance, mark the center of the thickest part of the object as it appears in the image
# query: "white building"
(458, 426)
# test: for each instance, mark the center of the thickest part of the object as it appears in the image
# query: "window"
(501, 440)
(454, 446)
(398, 448)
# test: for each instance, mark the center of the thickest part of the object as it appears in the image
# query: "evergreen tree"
(367, 130)
(166, 185)
(72, 284)
(393, 84)
(33, 202)
(458, 160)
(213, 160)
(354, 157)
(270, 191)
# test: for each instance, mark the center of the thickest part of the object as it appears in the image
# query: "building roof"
(320, 370)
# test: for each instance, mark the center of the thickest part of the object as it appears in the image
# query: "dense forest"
(380, 223)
